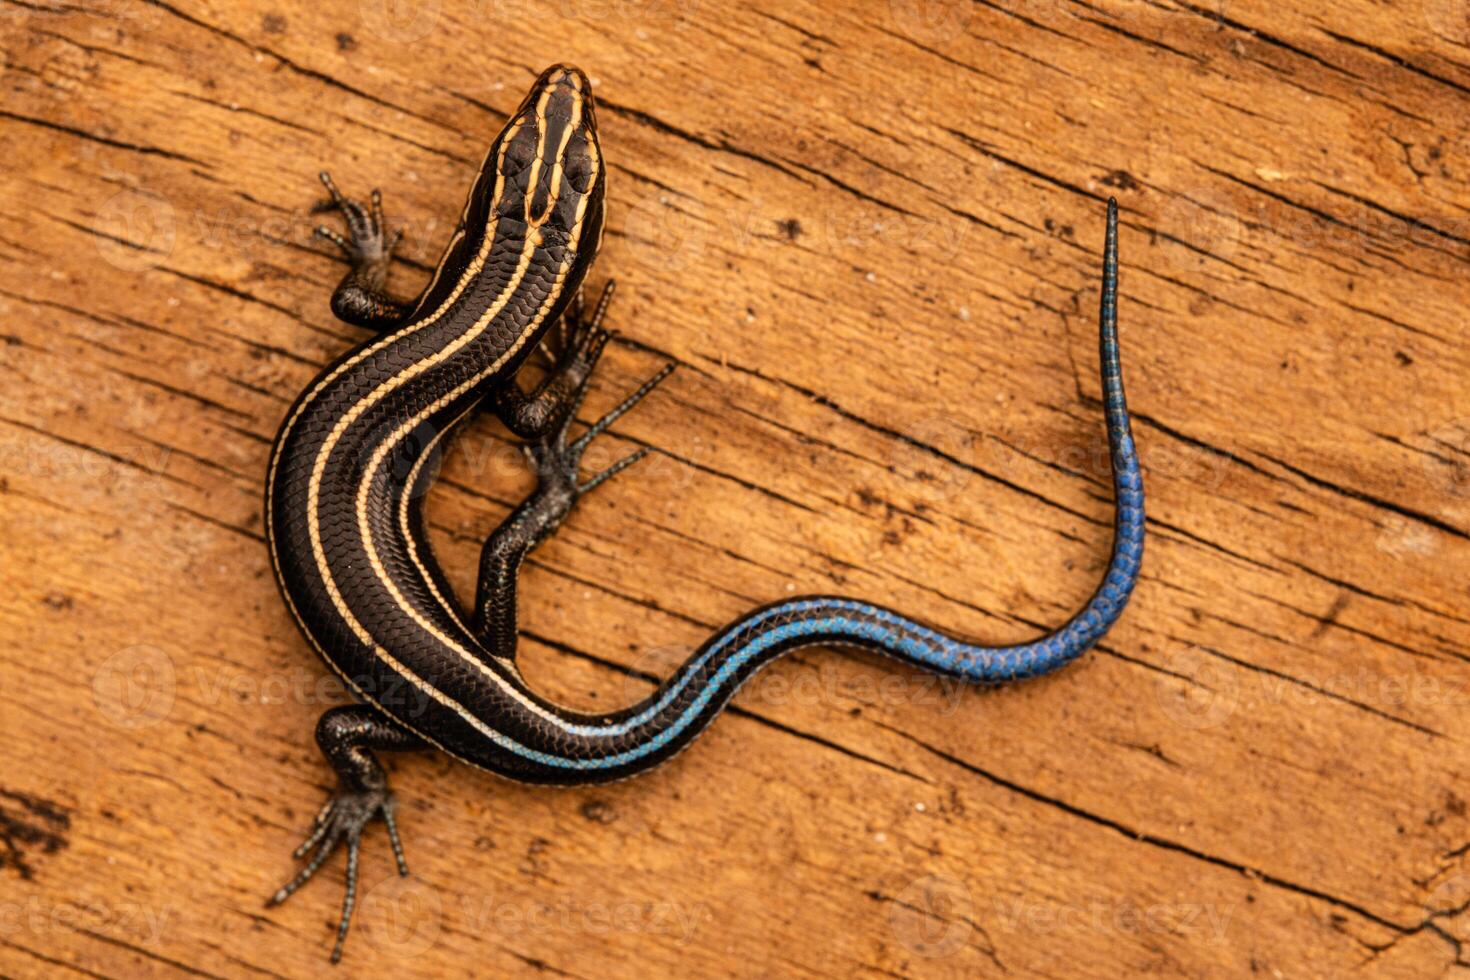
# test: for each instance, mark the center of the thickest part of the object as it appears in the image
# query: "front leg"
(361, 297)
(347, 736)
(574, 348)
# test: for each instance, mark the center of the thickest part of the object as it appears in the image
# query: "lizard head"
(548, 167)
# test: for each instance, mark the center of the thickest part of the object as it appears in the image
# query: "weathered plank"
(869, 234)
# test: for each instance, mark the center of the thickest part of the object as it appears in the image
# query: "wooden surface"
(870, 234)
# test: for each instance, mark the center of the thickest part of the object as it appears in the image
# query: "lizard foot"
(557, 461)
(346, 736)
(342, 820)
(368, 241)
(361, 297)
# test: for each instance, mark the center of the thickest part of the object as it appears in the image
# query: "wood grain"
(869, 233)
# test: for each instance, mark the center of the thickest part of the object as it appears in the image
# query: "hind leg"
(559, 486)
(347, 736)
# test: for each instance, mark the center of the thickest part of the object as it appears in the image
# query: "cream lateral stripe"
(514, 692)
(403, 672)
(464, 220)
(452, 608)
(386, 446)
(313, 522)
(469, 274)
(444, 700)
(351, 684)
(350, 620)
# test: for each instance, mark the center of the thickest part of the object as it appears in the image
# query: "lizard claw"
(368, 240)
(340, 821)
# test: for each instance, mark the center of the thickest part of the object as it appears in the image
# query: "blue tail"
(641, 736)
